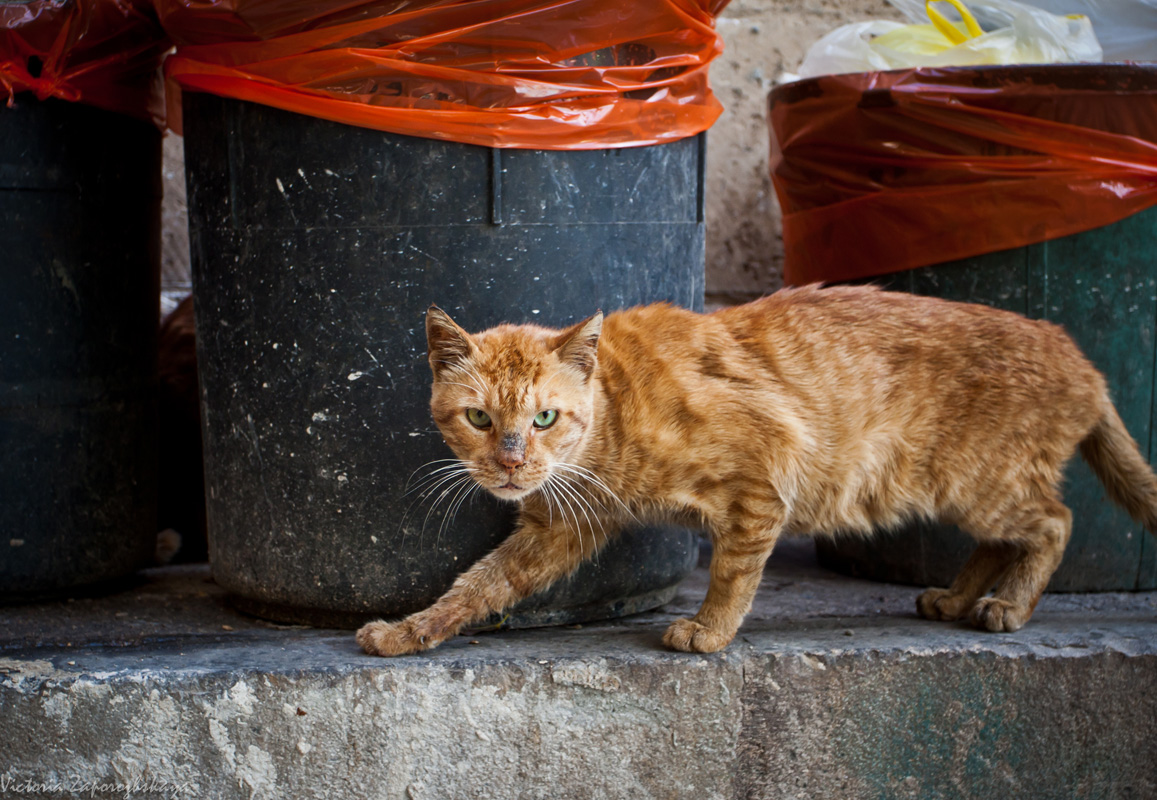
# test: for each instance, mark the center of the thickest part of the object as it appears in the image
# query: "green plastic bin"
(1100, 285)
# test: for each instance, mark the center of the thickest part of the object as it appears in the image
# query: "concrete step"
(834, 689)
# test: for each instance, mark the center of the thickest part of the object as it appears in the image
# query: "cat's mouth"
(510, 491)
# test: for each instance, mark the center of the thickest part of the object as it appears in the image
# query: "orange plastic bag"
(882, 172)
(105, 53)
(544, 74)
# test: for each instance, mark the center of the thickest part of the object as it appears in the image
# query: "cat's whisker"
(417, 501)
(455, 503)
(474, 487)
(406, 516)
(432, 484)
(429, 483)
(547, 498)
(564, 505)
(448, 464)
(455, 486)
(432, 463)
(584, 503)
(564, 485)
(452, 494)
(573, 526)
(586, 474)
(609, 492)
(477, 379)
(461, 369)
(444, 486)
(471, 374)
(548, 495)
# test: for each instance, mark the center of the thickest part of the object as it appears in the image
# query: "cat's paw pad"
(390, 639)
(941, 604)
(998, 615)
(692, 637)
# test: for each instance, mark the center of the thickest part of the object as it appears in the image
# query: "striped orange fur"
(809, 411)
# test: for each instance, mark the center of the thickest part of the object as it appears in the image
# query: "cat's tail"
(1117, 462)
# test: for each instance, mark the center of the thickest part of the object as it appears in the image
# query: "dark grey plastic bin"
(317, 248)
(79, 255)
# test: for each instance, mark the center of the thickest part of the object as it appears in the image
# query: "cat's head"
(515, 402)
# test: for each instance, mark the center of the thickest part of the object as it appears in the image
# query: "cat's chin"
(512, 493)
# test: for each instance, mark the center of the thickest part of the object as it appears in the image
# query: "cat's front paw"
(999, 616)
(941, 604)
(692, 637)
(391, 638)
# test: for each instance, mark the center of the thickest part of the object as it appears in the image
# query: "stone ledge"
(834, 688)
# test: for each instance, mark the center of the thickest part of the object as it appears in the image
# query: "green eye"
(478, 418)
(544, 419)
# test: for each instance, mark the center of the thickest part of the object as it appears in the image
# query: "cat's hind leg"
(986, 564)
(1040, 533)
(736, 568)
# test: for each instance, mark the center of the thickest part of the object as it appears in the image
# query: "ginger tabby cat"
(809, 411)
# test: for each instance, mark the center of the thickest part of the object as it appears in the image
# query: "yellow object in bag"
(936, 37)
(1018, 34)
(951, 31)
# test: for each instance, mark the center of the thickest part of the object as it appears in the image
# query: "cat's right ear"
(579, 344)
(447, 345)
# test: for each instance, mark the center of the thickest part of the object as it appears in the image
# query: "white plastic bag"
(1013, 33)
(1126, 29)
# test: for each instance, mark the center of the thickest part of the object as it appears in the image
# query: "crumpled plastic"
(544, 74)
(1002, 32)
(1126, 29)
(882, 172)
(105, 53)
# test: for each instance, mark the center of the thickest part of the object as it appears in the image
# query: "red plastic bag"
(546, 74)
(105, 53)
(882, 172)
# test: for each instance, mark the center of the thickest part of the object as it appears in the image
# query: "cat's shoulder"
(664, 320)
(653, 316)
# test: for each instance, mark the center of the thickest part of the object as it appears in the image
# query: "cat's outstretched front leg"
(533, 557)
(737, 562)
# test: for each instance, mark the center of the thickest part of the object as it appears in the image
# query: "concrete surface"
(834, 688)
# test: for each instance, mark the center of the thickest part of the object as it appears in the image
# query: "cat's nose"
(512, 459)
(512, 453)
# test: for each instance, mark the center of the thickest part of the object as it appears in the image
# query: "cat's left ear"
(447, 344)
(578, 345)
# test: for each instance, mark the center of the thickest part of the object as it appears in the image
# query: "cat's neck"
(595, 449)
(605, 450)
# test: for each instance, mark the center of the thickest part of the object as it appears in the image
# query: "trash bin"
(346, 167)
(316, 249)
(80, 203)
(1025, 188)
